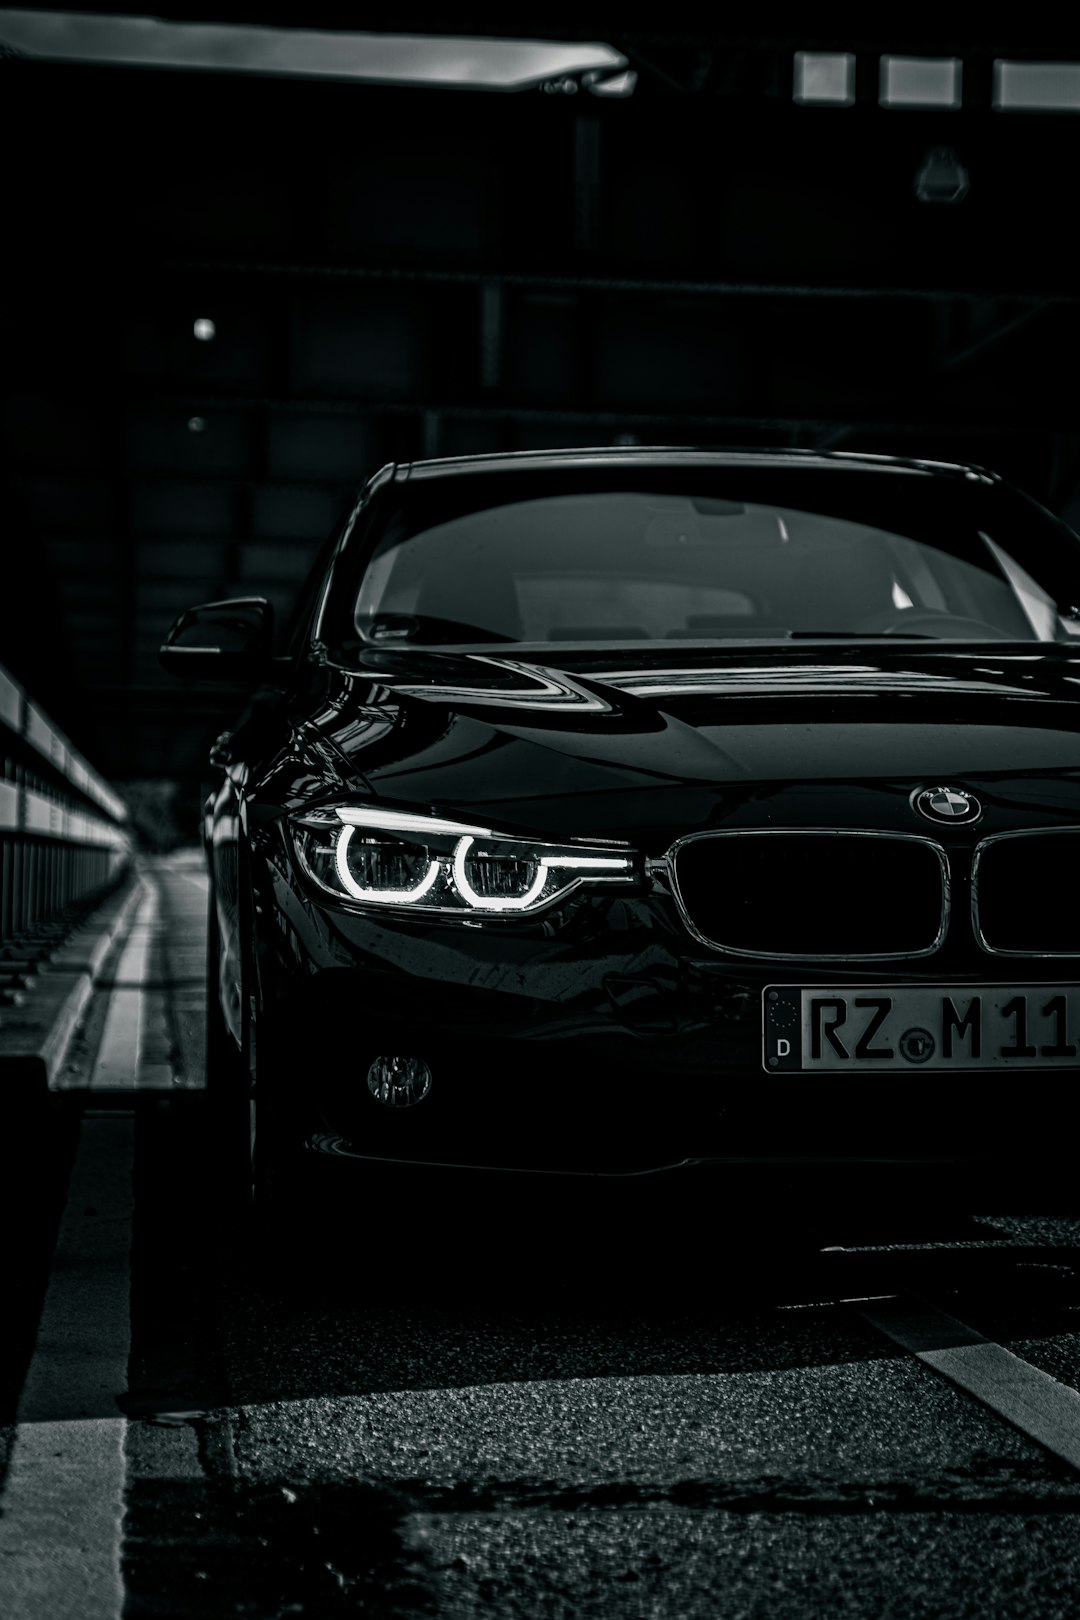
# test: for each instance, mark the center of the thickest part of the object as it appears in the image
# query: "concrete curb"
(35, 1037)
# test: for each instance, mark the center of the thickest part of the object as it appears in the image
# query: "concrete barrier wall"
(63, 829)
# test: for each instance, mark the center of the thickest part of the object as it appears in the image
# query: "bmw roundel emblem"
(947, 804)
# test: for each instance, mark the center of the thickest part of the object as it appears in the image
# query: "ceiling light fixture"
(941, 177)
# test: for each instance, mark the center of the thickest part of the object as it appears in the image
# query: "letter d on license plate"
(945, 1026)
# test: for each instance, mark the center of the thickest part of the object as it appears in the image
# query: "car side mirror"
(221, 641)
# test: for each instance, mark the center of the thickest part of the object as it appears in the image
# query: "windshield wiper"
(418, 629)
(860, 635)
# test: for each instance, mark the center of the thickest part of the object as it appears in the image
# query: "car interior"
(629, 567)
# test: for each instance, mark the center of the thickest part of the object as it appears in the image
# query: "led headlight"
(400, 859)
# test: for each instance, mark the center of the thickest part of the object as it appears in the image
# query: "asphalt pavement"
(505, 1400)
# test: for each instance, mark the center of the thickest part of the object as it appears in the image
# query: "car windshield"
(661, 554)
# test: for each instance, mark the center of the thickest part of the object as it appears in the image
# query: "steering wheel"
(898, 621)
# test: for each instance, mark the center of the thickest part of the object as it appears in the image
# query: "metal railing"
(62, 827)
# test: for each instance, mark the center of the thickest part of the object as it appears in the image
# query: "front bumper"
(599, 1046)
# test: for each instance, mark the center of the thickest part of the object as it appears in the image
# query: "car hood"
(662, 740)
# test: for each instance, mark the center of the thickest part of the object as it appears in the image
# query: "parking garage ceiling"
(231, 296)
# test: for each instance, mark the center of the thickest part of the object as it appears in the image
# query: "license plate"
(946, 1026)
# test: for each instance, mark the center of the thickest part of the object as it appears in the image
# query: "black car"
(616, 810)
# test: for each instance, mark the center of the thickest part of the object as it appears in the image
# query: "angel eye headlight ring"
(497, 902)
(407, 896)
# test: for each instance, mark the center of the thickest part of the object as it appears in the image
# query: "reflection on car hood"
(522, 738)
(577, 677)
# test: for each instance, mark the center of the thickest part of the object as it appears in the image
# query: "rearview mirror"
(221, 641)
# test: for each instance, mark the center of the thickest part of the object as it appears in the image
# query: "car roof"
(685, 456)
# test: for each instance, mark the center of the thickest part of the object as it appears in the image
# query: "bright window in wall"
(921, 81)
(824, 78)
(1037, 86)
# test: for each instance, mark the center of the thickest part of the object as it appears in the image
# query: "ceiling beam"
(659, 286)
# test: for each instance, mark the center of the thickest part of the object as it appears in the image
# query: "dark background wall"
(401, 272)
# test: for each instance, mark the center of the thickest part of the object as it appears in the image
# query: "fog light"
(399, 1081)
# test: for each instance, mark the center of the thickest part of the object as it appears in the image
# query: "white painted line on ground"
(117, 1062)
(63, 1504)
(1025, 1396)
